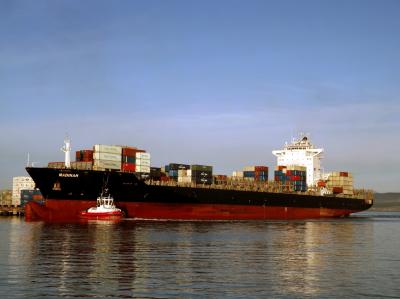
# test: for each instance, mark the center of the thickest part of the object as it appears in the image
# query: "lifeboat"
(105, 209)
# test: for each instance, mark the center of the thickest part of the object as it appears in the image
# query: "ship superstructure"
(302, 152)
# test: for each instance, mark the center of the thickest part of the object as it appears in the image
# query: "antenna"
(67, 150)
(27, 162)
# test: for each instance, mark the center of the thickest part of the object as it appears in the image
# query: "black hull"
(86, 185)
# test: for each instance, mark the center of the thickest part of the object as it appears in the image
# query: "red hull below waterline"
(59, 210)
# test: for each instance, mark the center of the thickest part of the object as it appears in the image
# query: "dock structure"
(10, 210)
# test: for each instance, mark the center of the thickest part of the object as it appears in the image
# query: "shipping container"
(184, 179)
(57, 165)
(106, 156)
(173, 173)
(84, 156)
(142, 155)
(201, 167)
(176, 166)
(128, 167)
(142, 162)
(31, 195)
(237, 174)
(183, 173)
(155, 173)
(106, 164)
(111, 149)
(321, 184)
(202, 180)
(129, 151)
(81, 165)
(128, 159)
(337, 190)
(248, 174)
(202, 176)
(144, 169)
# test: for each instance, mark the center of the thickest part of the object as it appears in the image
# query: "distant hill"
(386, 202)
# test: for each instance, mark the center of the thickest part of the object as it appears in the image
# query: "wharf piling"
(6, 210)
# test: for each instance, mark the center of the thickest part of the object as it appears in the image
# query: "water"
(357, 257)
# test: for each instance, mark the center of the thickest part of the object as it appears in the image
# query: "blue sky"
(213, 82)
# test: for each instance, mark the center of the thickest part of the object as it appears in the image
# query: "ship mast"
(67, 150)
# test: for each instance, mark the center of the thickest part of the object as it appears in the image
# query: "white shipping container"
(182, 172)
(107, 156)
(140, 168)
(81, 165)
(238, 174)
(143, 156)
(249, 168)
(184, 179)
(143, 162)
(112, 149)
(107, 164)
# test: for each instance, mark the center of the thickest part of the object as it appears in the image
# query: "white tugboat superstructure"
(105, 209)
(302, 152)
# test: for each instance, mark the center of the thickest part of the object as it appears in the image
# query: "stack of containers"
(84, 156)
(340, 182)
(220, 179)
(293, 175)
(82, 165)
(202, 174)
(107, 157)
(173, 168)
(128, 159)
(256, 173)
(31, 195)
(143, 162)
(56, 165)
(83, 160)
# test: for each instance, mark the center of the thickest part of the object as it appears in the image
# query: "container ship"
(298, 190)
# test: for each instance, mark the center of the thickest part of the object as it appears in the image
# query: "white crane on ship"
(67, 150)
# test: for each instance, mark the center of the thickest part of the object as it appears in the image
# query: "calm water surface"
(357, 257)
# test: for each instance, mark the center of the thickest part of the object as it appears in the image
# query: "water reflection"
(196, 259)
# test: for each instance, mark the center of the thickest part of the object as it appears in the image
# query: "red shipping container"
(128, 167)
(321, 184)
(129, 151)
(281, 167)
(288, 172)
(260, 168)
(343, 173)
(295, 178)
(337, 190)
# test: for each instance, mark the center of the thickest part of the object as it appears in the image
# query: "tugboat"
(105, 210)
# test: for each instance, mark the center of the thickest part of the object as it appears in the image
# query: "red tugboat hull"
(100, 216)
